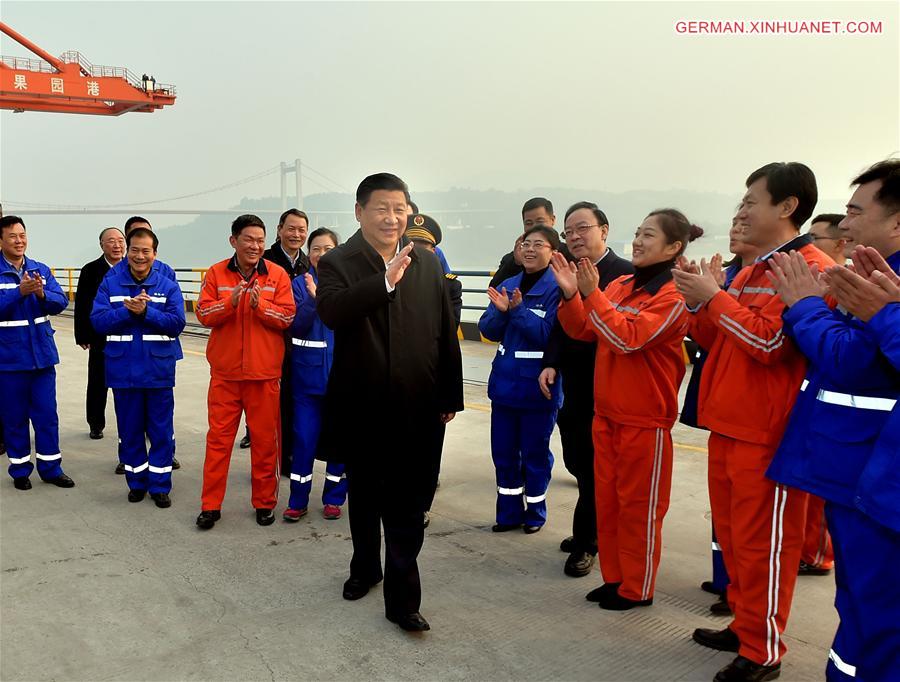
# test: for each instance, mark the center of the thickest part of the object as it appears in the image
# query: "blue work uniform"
(140, 356)
(28, 360)
(312, 352)
(842, 444)
(522, 419)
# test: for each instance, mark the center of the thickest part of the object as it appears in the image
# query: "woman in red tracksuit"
(639, 323)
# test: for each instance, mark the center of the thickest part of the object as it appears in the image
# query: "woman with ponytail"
(639, 323)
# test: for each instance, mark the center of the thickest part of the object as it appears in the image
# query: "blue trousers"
(720, 577)
(31, 397)
(141, 414)
(307, 426)
(520, 446)
(866, 555)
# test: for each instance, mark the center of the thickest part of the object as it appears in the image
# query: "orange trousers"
(759, 525)
(817, 549)
(226, 401)
(632, 484)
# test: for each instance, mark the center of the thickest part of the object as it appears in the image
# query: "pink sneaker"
(331, 512)
(293, 515)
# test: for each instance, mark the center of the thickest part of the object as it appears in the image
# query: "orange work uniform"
(245, 353)
(638, 369)
(817, 550)
(747, 390)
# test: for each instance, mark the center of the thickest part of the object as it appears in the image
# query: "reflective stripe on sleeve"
(839, 663)
(39, 320)
(9, 285)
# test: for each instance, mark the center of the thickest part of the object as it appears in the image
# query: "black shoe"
(354, 588)
(426, 521)
(567, 545)
(613, 601)
(810, 569)
(578, 564)
(504, 527)
(722, 640)
(136, 495)
(245, 442)
(411, 622)
(22, 483)
(175, 464)
(265, 517)
(720, 608)
(162, 500)
(96, 434)
(708, 586)
(2, 448)
(744, 670)
(207, 519)
(120, 468)
(596, 595)
(529, 530)
(61, 481)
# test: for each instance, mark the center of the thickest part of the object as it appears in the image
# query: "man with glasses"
(586, 231)
(827, 236)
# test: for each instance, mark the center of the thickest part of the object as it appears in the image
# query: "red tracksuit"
(747, 390)
(639, 367)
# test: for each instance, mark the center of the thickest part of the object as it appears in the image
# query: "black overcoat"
(89, 279)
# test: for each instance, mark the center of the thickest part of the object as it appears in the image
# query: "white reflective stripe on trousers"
(125, 337)
(839, 663)
(309, 344)
(333, 479)
(137, 469)
(48, 458)
(159, 470)
(716, 547)
(510, 491)
(301, 479)
(535, 500)
(20, 460)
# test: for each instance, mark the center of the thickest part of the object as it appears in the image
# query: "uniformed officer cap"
(424, 228)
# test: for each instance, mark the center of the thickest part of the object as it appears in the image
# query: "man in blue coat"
(841, 425)
(141, 313)
(29, 295)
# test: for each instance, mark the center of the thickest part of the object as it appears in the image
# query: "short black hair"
(413, 205)
(322, 232)
(538, 202)
(107, 229)
(135, 219)
(294, 212)
(676, 227)
(888, 171)
(142, 232)
(246, 220)
(373, 183)
(546, 231)
(791, 179)
(598, 214)
(833, 220)
(9, 221)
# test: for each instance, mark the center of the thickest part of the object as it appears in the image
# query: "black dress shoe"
(61, 481)
(721, 640)
(265, 517)
(567, 545)
(354, 588)
(721, 607)
(426, 521)
(578, 564)
(2, 448)
(613, 601)
(175, 464)
(245, 442)
(708, 586)
(96, 434)
(162, 500)
(120, 468)
(504, 527)
(744, 670)
(207, 519)
(596, 594)
(136, 495)
(411, 622)
(530, 530)
(22, 483)
(811, 569)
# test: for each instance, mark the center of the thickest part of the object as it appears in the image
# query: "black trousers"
(435, 461)
(575, 432)
(95, 401)
(385, 495)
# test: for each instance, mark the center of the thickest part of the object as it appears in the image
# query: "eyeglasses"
(537, 246)
(580, 230)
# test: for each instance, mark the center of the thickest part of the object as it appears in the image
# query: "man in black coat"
(586, 230)
(396, 377)
(112, 242)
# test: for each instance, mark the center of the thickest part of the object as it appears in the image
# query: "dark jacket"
(454, 291)
(88, 283)
(573, 359)
(397, 364)
(277, 255)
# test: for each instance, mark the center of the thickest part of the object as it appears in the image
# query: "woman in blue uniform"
(520, 316)
(312, 350)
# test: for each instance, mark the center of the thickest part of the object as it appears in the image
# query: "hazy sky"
(469, 94)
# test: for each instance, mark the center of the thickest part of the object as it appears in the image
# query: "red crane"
(70, 84)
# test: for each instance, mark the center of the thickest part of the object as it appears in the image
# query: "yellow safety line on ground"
(694, 448)
(195, 352)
